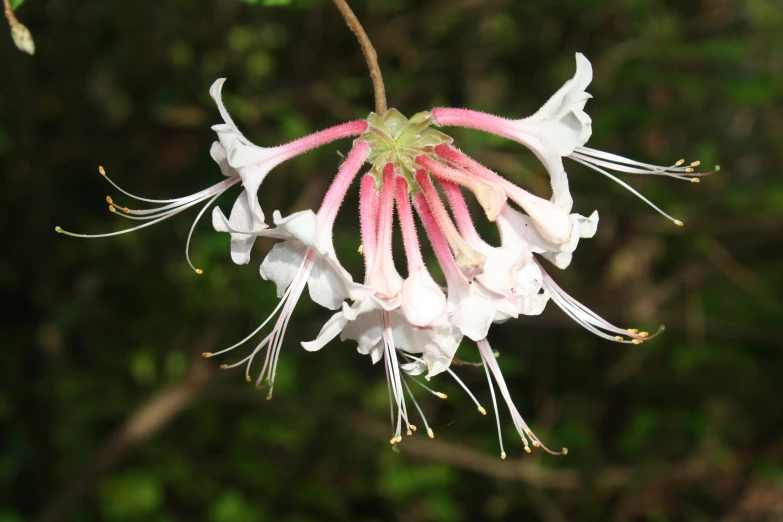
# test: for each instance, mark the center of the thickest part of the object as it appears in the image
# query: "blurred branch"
(146, 421)
(369, 55)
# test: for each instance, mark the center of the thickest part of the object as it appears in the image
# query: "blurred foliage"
(686, 427)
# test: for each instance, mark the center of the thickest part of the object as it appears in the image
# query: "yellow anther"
(643, 334)
(248, 379)
(619, 338)
(361, 250)
(636, 341)
(689, 169)
(429, 432)
(224, 367)
(536, 444)
(528, 432)
(199, 271)
(126, 210)
(695, 163)
(527, 449)
(268, 396)
(101, 170)
(111, 208)
(679, 162)
(109, 200)
(442, 395)
(206, 355)
(632, 331)
(482, 410)
(409, 432)
(678, 222)
(503, 455)
(413, 427)
(399, 438)
(565, 451)
(695, 180)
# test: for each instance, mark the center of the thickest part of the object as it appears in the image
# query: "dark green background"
(97, 334)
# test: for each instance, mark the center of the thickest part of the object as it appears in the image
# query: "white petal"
(282, 263)
(328, 286)
(414, 368)
(330, 330)
(367, 330)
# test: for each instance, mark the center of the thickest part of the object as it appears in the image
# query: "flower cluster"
(415, 324)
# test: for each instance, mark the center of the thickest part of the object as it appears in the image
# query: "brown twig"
(9, 14)
(369, 54)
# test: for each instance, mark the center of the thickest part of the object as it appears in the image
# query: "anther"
(58, 229)
(269, 396)
(101, 170)
(527, 449)
(248, 379)
(717, 168)
(111, 208)
(528, 432)
(199, 271)
(619, 338)
(126, 210)
(361, 250)
(429, 432)
(503, 455)
(206, 355)
(224, 367)
(536, 444)
(482, 410)
(695, 180)
(643, 334)
(409, 432)
(632, 331)
(678, 222)
(442, 395)
(109, 200)
(636, 341)
(393, 441)
(413, 427)
(565, 451)
(679, 162)
(689, 169)
(695, 163)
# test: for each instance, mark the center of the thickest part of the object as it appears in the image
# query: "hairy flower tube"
(411, 175)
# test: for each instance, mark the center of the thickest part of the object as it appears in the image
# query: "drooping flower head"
(411, 174)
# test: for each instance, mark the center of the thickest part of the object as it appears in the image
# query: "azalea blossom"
(240, 162)
(405, 316)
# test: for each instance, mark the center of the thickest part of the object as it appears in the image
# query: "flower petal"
(282, 264)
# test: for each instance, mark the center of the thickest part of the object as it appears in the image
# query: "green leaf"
(16, 3)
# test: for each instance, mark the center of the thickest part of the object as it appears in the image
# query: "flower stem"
(369, 54)
(9, 13)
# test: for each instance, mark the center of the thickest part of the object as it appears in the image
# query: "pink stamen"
(345, 176)
(368, 220)
(551, 221)
(461, 213)
(384, 276)
(489, 194)
(437, 240)
(469, 261)
(482, 121)
(410, 237)
(299, 146)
